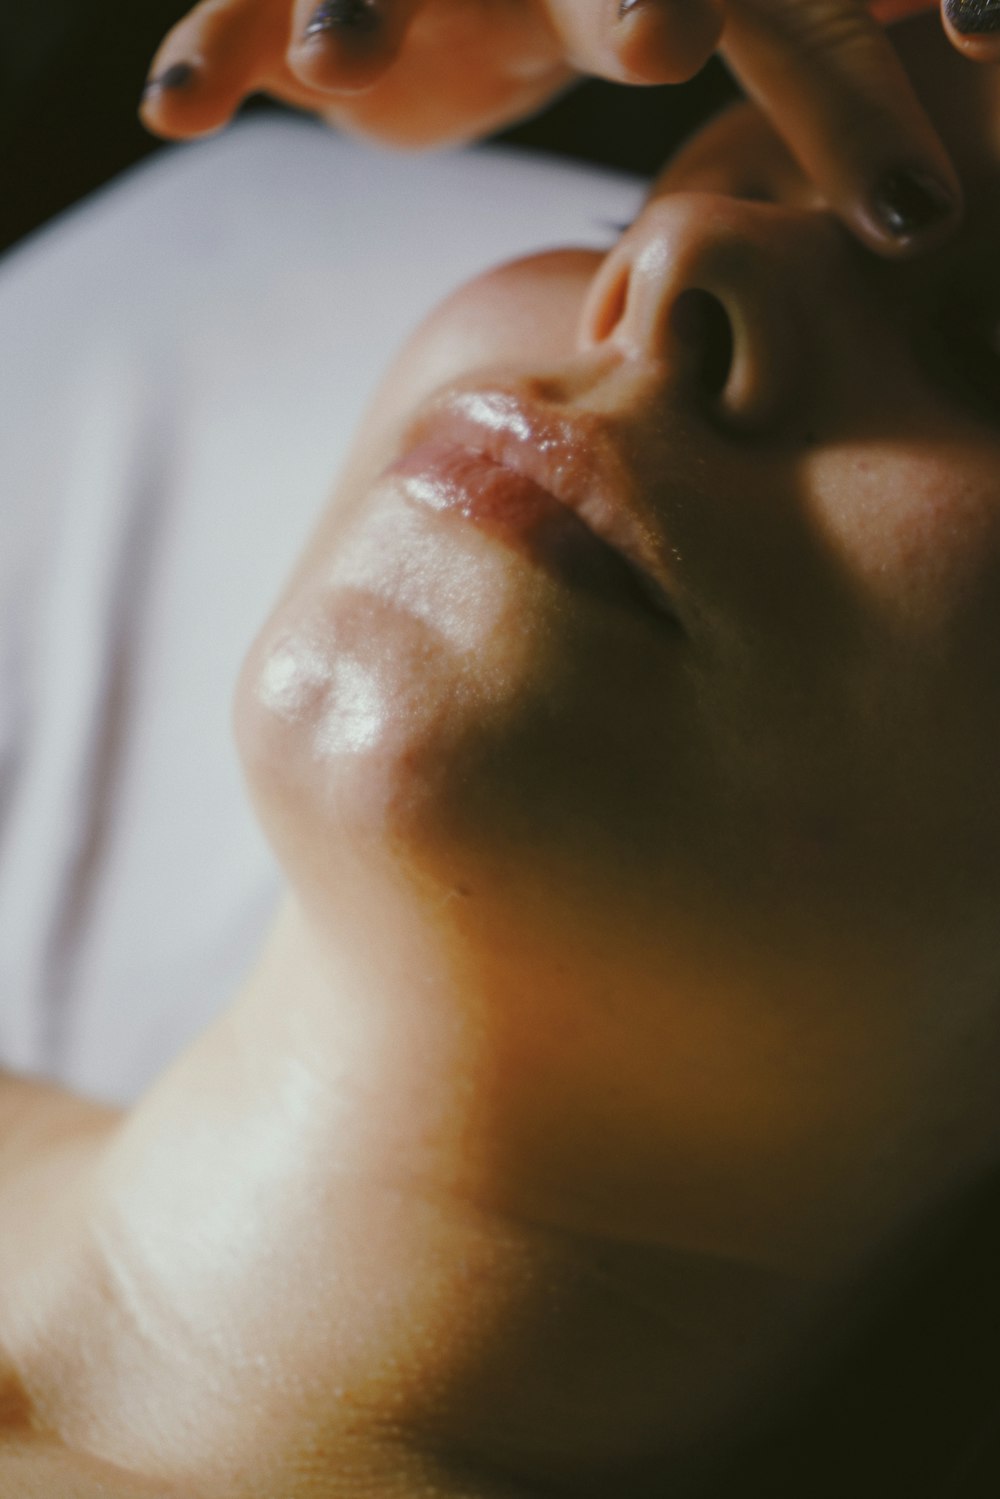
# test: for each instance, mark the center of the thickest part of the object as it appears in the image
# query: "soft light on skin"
(812, 606)
(724, 916)
(634, 986)
(303, 679)
(494, 411)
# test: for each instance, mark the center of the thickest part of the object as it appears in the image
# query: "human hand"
(426, 72)
(409, 73)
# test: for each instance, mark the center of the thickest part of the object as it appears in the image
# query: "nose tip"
(705, 290)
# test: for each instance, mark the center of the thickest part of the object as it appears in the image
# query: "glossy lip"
(451, 477)
(570, 457)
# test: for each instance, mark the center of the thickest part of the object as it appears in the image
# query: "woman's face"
(661, 679)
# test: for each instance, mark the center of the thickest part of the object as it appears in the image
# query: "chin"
(429, 711)
(367, 726)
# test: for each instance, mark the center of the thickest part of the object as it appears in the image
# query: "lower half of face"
(735, 851)
(473, 683)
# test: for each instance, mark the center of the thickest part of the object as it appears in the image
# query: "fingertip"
(330, 69)
(176, 105)
(977, 48)
(909, 211)
(342, 46)
(168, 85)
(667, 41)
(973, 27)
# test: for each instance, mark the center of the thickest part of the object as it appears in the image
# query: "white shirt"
(184, 360)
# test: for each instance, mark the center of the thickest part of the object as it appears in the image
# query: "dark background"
(71, 72)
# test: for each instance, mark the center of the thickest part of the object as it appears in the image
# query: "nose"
(723, 299)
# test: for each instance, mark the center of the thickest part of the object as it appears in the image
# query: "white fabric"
(182, 363)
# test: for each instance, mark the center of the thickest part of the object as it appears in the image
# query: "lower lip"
(520, 513)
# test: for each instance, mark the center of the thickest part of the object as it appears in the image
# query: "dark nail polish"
(357, 17)
(973, 17)
(179, 75)
(908, 201)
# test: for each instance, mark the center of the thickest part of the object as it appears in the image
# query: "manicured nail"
(973, 17)
(357, 17)
(179, 75)
(908, 201)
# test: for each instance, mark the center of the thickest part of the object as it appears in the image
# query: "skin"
(635, 997)
(440, 71)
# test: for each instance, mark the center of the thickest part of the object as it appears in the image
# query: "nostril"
(702, 326)
(611, 308)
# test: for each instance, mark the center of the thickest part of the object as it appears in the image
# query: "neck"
(297, 1252)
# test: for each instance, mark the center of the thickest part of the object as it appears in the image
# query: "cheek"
(524, 315)
(915, 528)
(914, 532)
(526, 312)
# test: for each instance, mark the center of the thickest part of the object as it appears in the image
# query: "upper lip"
(574, 457)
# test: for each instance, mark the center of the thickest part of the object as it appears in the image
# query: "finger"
(345, 46)
(467, 68)
(209, 62)
(835, 89)
(403, 112)
(638, 41)
(887, 12)
(973, 26)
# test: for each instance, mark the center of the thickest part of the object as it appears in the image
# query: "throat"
(385, 1327)
(276, 1266)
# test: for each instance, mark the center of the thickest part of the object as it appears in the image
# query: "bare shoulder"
(45, 1134)
(47, 1138)
(37, 1467)
(35, 1113)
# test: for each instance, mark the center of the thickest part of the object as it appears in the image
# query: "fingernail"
(361, 17)
(179, 75)
(908, 201)
(625, 7)
(973, 17)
